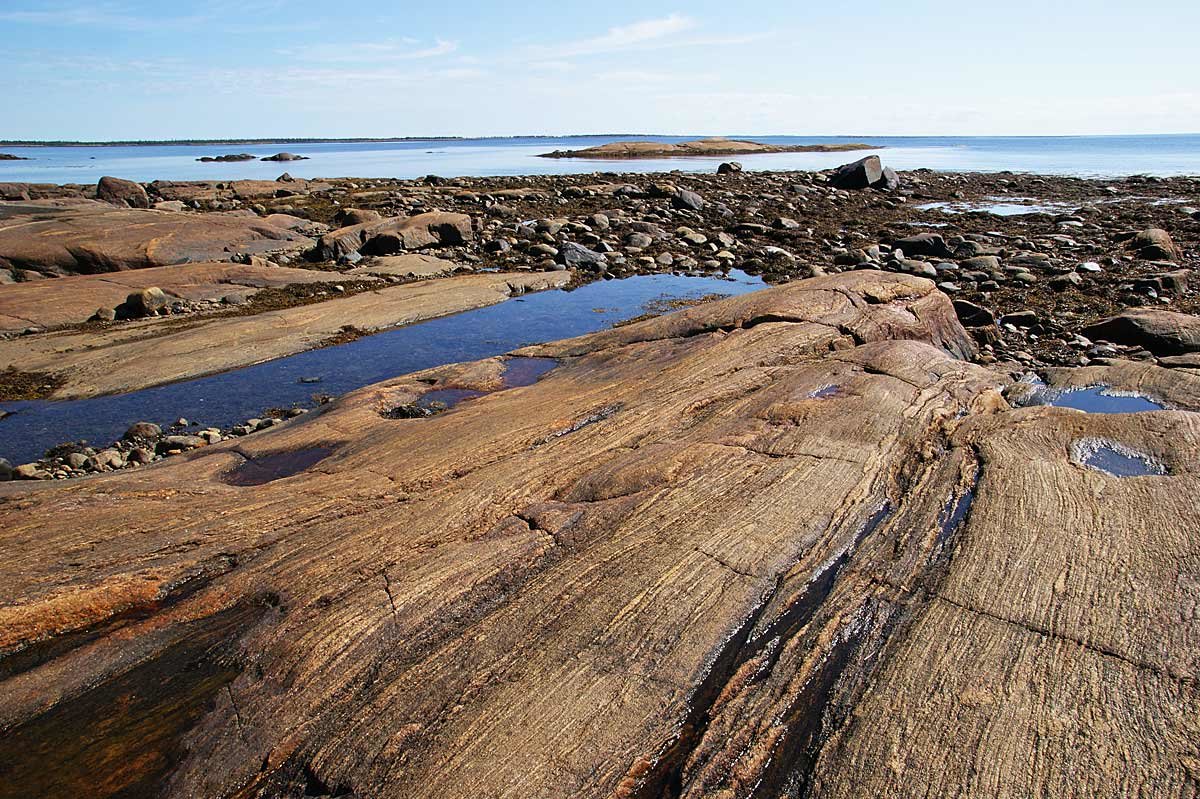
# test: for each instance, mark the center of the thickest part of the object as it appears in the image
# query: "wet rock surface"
(790, 543)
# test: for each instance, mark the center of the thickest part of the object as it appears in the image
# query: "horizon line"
(251, 141)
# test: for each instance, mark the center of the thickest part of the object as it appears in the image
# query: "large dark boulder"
(890, 181)
(862, 174)
(1160, 332)
(687, 200)
(928, 244)
(576, 256)
(865, 173)
(122, 192)
(144, 302)
(972, 315)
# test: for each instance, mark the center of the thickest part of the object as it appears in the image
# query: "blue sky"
(117, 69)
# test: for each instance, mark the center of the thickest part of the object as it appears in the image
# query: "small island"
(9, 157)
(285, 157)
(715, 146)
(208, 159)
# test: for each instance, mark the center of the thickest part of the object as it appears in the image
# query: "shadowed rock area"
(786, 544)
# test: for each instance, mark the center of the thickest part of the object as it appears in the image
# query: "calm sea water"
(1089, 156)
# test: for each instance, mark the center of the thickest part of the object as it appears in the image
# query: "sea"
(1084, 156)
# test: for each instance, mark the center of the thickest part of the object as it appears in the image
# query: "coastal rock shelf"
(787, 543)
(128, 358)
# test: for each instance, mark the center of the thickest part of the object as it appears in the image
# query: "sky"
(130, 69)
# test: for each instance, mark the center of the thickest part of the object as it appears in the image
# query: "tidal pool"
(230, 398)
(1097, 399)
(1115, 460)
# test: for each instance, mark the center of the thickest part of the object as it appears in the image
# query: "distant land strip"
(358, 140)
(700, 147)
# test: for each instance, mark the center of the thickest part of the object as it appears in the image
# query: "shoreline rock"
(798, 515)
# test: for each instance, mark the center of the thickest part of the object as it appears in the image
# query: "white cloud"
(385, 50)
(623, 37)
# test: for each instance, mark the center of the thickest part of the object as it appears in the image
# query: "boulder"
(889, 181)
(180, 442)
(285, 157)
(15, 191)
(729, 168)
(1154, 244)
(144, 302)
(348, 217)
(143, 431)
(30, 471)
(575, 256)
(928, 244)
(1160, 332)
(688, 200)
(6, 470)
(861, 174)
(396, 234)
(122, 192)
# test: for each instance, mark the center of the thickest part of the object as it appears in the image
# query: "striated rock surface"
(783, 544)
(150, 353)
(49, 303)
(73, 236)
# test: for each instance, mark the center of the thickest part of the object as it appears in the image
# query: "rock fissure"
(1184, 679)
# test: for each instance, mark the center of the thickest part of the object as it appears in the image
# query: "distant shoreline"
(540, 137)
(357, 140)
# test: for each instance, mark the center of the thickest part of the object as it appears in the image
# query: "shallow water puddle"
(273, 466)
(1096, 399)
(824, 392)
(996, 207)
(1115, 460)
(520, 372)
(443, 399)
